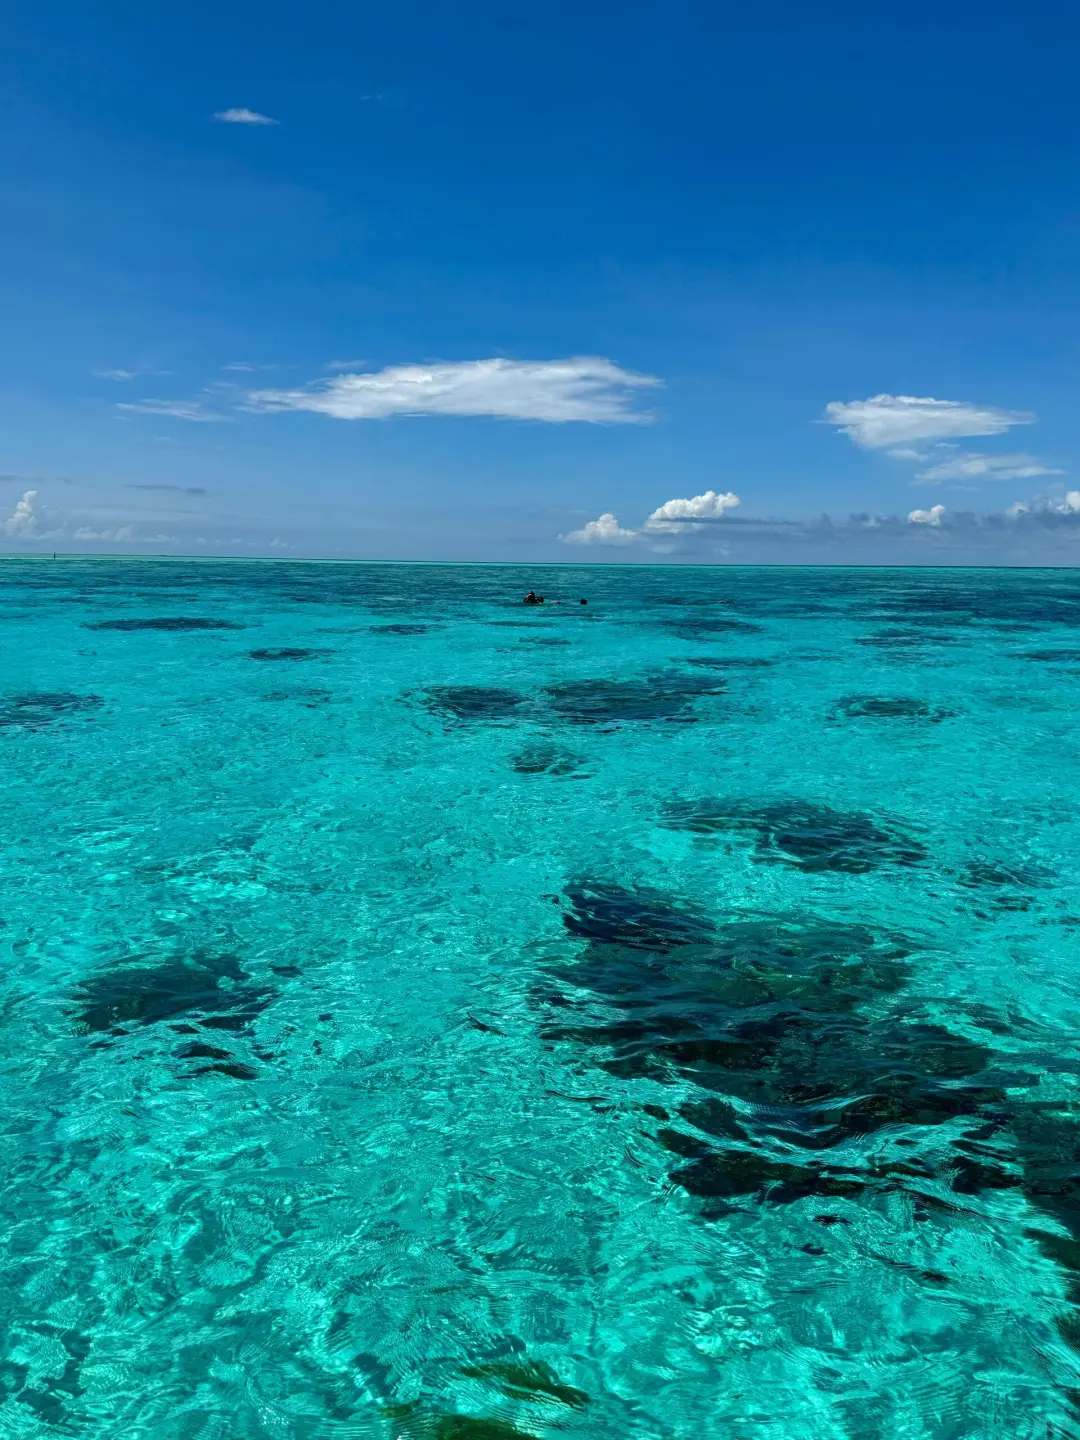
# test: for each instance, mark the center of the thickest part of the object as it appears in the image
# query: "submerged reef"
(799, 832)
(40, 708)
(799, 1041)
(166, 622)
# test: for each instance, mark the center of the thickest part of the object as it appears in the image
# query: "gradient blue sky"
(767, 209)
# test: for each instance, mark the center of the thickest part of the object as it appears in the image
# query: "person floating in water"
(533, 599)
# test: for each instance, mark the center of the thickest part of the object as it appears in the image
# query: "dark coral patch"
(40, 708)
(779, 1025)
(637, 919)
(891, 707)
(474, 702)
(288, 653)
(402, 629)
(167, 622)
(1048, 1143)
(311, 696)
(727, 662)
(665, 697)
(998, 605)
(544, 757)
(527, 1380)
(212, 991)
(1003, 886)
(223, 1062)
(799, 832)
(979, 874)
(1051, 657)
(235, 1069)
(694, 627)
(895, 639)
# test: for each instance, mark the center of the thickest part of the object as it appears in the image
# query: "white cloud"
(682, 515)
(241, 115)
(1067, 504)
(175, 409)
(123, 534)
(884, 421)
(587, 388)
(22, 522)
(604, 531)
(926, 517)
(973, 466)
(275, 544)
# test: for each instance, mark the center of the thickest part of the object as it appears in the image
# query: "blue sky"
(503, 282)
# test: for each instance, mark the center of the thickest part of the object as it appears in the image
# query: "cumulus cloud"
(972, 466)
(22, 522)
(586, 388)
(1067, 504)
(926, 517)
(682, 515)
(604, 531)
(174, 409)
(241, 115)
(885, 421)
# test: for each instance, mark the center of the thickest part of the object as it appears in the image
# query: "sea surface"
(427, 1018)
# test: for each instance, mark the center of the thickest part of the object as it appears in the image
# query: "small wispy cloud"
(121, 374)
(605, 530)
(174, 409)
(237, 542)
(974, 467)
(581, 388)
(178, 489)
(884, 421)
(241, 115)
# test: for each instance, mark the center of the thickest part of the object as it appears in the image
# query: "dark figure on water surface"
(533, 599)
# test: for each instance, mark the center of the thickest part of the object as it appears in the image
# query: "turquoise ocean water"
(425, 1017)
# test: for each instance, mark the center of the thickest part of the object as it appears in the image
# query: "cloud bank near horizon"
(700, 529)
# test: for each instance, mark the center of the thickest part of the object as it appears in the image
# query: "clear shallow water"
(423, 1017)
